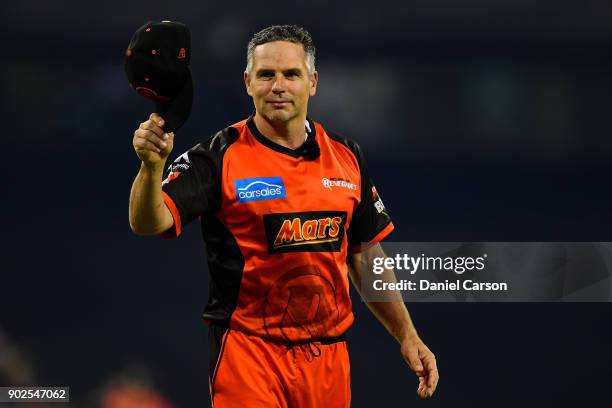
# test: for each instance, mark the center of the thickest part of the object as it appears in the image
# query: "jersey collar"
(309, 150)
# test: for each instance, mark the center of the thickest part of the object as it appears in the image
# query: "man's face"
(279, 82)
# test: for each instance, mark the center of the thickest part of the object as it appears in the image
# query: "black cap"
(157, 67)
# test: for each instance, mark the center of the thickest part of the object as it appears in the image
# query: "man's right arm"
(148, 212)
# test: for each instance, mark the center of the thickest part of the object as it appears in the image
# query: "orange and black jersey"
(278, 225)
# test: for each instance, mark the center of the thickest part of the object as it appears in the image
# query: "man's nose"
(279, 84)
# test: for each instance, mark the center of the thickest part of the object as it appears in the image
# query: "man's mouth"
(278, 102)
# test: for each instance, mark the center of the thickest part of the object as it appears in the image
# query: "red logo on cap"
(181, 53)
(150, 94)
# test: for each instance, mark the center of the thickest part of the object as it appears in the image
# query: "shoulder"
(347, 143)
(219, 141)
(211, 150)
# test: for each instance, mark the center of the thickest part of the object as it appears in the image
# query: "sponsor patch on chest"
(259, 188)
(338, 182)
(313, 231)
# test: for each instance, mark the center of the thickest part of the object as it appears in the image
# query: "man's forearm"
(395, 317)
(148, 213)
(392, 311)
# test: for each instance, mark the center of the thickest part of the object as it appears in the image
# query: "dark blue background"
(485, 121)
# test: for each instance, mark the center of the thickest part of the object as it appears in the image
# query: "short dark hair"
(291, 33)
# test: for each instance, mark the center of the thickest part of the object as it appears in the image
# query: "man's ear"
(247, 83)
(314, 80)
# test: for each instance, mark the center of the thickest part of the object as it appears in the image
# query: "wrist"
(153, 168)
(408, 335)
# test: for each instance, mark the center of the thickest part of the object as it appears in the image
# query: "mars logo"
(314, 231)
(301, 305)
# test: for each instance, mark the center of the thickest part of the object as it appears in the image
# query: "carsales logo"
(337, 182)
(259, 188)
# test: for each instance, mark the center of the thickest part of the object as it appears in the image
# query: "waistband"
(322, 340)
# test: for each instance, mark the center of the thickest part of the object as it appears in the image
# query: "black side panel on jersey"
(225, 261)
(217, 337)
(225, 266)
(370, 217)
(196, 192)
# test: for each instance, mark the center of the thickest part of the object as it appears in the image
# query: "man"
(283, 203)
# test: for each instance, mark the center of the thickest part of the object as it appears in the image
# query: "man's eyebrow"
(293, 71)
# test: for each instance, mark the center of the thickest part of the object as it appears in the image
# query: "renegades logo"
(314, 231)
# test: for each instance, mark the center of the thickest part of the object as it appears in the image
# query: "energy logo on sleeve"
(378, 204)
(180, 164)
(313, 231)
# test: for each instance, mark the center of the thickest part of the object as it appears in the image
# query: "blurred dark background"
(481, 121)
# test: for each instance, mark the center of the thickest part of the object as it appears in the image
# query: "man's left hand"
(423, 362)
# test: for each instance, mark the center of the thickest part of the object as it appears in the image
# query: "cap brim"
(175, 112)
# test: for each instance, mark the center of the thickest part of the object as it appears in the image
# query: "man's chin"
(278, 116)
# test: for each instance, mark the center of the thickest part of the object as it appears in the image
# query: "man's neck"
(289, 134)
